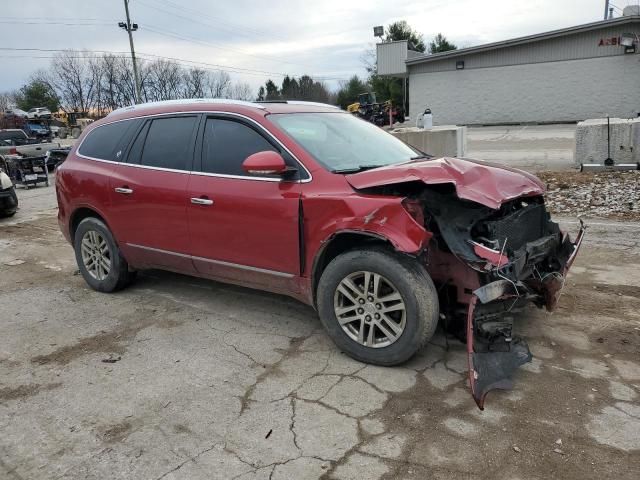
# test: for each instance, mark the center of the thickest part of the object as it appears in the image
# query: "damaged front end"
(519, 256)
(492, 250)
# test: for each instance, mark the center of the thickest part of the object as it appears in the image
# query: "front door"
(149, 194)
(243, 228)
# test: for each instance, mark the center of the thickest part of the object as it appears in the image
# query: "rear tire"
(99, 258)
(411, 316)
(75, 133)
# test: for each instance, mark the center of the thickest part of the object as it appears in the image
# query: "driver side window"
(227, 143)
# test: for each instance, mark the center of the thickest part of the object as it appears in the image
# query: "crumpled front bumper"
(492, 364)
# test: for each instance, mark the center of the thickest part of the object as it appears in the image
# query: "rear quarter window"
(108, 142)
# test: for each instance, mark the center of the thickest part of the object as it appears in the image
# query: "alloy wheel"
(370, 309)
(96, 255)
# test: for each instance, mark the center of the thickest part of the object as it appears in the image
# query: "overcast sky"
(325, 38)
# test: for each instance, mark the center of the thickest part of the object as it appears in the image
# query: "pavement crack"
(292, 425)
(190, 459)
(294, 348)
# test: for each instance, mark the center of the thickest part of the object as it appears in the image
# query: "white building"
(586, 71)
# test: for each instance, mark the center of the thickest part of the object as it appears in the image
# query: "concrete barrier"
(591, 141)
(442, 141)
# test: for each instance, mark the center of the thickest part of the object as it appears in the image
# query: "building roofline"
(524, 40)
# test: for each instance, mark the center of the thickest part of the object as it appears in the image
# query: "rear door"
(149, 193)
(243, 228)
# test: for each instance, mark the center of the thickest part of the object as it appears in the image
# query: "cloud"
(324, 38)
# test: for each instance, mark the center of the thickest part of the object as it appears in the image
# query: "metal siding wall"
(539, 92)
(391, 58)
(569, 47)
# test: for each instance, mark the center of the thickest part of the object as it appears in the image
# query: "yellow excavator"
(73, 123)
(368, 108)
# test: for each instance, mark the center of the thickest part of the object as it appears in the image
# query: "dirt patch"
(602, 194)
(111, 342)
(24, 391)
(116, 433)
(179, 428)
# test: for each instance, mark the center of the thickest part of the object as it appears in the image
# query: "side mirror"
(265, 163)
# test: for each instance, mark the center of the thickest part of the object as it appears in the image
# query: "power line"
(182, 61)
(204, 42)
(233, 27)
(15, 22)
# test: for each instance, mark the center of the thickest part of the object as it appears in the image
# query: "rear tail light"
(414, 208)
(13, 151)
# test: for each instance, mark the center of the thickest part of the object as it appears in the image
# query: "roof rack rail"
(299, 102)
(185, 101)
(313, 104)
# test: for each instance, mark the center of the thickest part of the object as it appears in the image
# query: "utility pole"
(606, 9)
(132, 27)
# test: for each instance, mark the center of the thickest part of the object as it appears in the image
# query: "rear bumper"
(493, 352)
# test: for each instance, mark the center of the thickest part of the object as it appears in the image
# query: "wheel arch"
(341, 242)
(80, 214)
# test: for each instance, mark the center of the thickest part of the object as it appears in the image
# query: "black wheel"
(378, 306)
(99, 259)
(10, 212)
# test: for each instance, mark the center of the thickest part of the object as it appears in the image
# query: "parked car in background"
(39, 112)
(8, 197)
(36, 130)
(15, 112)
(55, 157)
(16, 141)
(306, 200)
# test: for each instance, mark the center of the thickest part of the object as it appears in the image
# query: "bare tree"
(218, 84)
(195, 83)
(242, 91)
(98, 84)
(72, 80)
(7, 100)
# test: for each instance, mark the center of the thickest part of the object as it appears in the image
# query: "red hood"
(480, 182)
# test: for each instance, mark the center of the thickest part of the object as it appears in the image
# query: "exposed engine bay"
(488, 265)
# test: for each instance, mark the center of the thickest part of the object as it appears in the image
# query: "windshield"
(343, 143)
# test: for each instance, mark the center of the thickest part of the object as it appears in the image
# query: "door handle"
(123, 190)
(201, 201)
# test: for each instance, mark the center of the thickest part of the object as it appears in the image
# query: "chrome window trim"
(217, 262)
(192, 172)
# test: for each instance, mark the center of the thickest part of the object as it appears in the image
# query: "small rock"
(517, 449)
(559, 441)
(14, 263)
(558, 451)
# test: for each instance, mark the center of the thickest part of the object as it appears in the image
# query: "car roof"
(218, 104)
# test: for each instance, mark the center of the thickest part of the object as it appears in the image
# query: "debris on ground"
(517, 449)
(14, 263)
(111, 359)
(597, 194)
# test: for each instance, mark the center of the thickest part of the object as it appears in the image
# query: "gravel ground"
(602, 194)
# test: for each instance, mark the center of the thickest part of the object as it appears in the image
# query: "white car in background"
(39, 112)
(16, 112)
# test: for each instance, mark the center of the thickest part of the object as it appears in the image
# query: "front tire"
(378, 306)
(99, 259)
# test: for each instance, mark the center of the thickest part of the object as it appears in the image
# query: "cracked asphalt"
(180, 378)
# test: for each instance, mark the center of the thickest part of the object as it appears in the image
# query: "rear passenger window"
(168, 143)
(227, 144)
(107, 142)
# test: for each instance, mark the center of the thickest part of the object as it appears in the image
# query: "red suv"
(309, 201)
